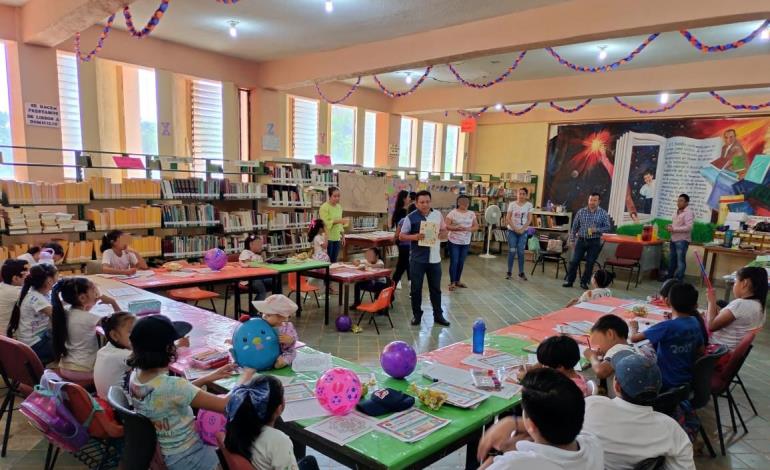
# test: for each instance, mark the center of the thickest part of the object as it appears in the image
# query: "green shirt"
(329, 214)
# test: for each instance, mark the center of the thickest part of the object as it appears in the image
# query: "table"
(346, 275)
(375, 239)
(297, 267)
(716, 250)
(651, 250)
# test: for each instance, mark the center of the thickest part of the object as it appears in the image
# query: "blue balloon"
(255, 345)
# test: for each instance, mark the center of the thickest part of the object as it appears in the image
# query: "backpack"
(45, 409)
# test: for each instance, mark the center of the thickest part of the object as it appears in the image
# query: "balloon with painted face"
(255, 345)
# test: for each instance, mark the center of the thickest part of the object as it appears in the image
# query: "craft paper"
(303, 409)
(430, 230)
(462, 397)
(342, 429)
(411, 425)
(595, 307)
(296, 392)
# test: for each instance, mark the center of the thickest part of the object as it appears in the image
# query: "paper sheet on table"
(297, 392)
(495, 361)
(411, 425)
(508, 391)
(595, 307)
(303, 409)
(343, 429)
(440, 372)
(460, 396)
(305, 362)
(181, 274)
(648, 307)
(122, 291)
(577, 328)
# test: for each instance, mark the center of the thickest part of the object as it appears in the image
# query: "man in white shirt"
(13, 273)
(548, 436)
(629, 429)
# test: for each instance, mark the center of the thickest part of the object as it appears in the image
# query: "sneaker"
(441, 321)
(398, 286)
(508, 276)
(522, 276)
(415, 321)
(567, 284)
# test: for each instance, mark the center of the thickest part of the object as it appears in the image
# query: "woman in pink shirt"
(681, 231)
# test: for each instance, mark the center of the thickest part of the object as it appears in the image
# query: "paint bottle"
(479, 330)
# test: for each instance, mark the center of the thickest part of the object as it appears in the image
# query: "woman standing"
(461, 223)
(518, 219)
(331, 213)
(402, 201)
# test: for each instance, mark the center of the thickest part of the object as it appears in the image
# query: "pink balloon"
(209, 423)
(215, 259)
(338, 390)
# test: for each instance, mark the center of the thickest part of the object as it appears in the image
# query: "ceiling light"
(408, 78)
(233, 30)
(499, 106)
(602, 52)
(663, 99)
(329, 6)
(765, 34)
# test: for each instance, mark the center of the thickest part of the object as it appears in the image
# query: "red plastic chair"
(21, 370)
(627, 256)
(231, 461)
(721, 383)
(304, 287)
(194, 294)
(381, 305)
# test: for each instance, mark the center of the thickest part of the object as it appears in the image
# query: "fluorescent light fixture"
(663, 99)
(329, 6)
(233, 30)
(602, 52)
(765, 34)
(499, 106)
(408, 78)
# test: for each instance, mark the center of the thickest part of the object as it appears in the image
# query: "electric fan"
(491, 217)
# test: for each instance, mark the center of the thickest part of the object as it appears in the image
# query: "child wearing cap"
(276, 310)
(166, 400)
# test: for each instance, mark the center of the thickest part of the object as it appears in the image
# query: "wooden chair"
(21, 370)
(194, 294)
(231, 461)
(381, 305)
(627, 256)
(304, 287)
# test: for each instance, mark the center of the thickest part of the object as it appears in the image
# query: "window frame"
(373, 146)
(292, 100)
(354, 110)
(411, 150)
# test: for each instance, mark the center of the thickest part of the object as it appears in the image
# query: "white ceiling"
(13, 3)
(279, 28)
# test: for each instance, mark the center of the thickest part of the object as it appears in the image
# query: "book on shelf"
(146, 246)
(125, 217)
(325, 177)
(364, 223)
(287, 241)
(239, 190)
(127, 188)
(289, 173)
(286, 196)
(28, 219)
(289, 220)
(182, 246)
(243, 221)
(190, 215)
(79, 251)
(40, 192)
(191, 188)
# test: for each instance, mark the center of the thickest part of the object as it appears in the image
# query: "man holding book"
(586, 240)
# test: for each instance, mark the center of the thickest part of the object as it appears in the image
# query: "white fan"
(491, 217)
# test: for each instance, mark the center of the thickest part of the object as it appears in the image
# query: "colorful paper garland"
(497, 80)
(751, 107)
(150, 24)
(570, 110)
(472, 114)
(520, 112)
(651, 111)
(399, 94)
(603, 68)
(347, 95)
(723, 47)
(99, 43)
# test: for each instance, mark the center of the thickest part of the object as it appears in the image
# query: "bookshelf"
(292, 187)
(551, 221)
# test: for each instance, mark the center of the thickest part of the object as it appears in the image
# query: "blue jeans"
(198, 457)
(44, 348)
(517, 242)
(418, 271)
(333, 250)
(457, 255)
(676, 264)
(588, 249)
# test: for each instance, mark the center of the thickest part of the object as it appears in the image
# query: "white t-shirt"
(748, 316)
(438, 219)
(32, 321)
(273, 450)
(463, 219)
(631, 433)
(531, 455)
(28, 258)
(8, 296)
(594, 294)
(82, 343)
(248, 256)
(110, 368)
(124, 261)
(319, 252)
(519, 214)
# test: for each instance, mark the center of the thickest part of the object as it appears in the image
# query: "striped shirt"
(589, 224)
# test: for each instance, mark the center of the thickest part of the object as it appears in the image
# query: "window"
(245, 123)
(343, 134)
(428, 148)
(69, 109)
(405, 151)
(207, 123)
(6, 171)
(148, 111)
(460, 165)
(450, 149)
(304, 127)
(140, 114)
(370, 132)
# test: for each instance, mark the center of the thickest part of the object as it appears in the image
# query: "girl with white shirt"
(518, 219)
(461, 223)
(117, 257)
(31, 315)
(729, 325)
(111, 367)
(253, 253)
(74, 328)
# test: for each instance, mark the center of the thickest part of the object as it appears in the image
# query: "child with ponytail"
(74, 328)
(111, 366)
(29, 320)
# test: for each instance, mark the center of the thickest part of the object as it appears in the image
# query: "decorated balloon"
(208, 424)
(215, 259)
(398, 359)
(338, 390)
(343, 323)
(255, 345)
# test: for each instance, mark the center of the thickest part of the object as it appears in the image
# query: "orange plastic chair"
(194, 294)
(304, 287)
(381, 305)
(231, 461)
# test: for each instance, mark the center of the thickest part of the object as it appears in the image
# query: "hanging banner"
(468, 125)
(41, 115)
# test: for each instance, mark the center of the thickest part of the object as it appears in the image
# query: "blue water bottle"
(479, 329)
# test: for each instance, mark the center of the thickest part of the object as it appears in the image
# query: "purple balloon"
(343, 323)
(398, 359)
(531, 231)
(215, 259)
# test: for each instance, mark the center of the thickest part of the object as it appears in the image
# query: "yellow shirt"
(329, 214)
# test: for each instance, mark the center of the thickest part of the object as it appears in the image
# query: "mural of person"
(733, 156)
(647, 191)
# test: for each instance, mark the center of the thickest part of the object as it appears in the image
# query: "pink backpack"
(46, 411)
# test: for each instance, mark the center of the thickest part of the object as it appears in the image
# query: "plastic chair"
(382, 304)
(702, 372)
(627, 256)
(667, 402)
(231, 461)
(140, 443)
(304, 287)
(194, 294)
(723, 379)
(21, 370)
(653, 463)
(557, 257)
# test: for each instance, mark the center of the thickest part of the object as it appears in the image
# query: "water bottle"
(46, 256)
(479, 329)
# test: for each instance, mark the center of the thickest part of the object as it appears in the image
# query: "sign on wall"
(41, 115)
(270, 141)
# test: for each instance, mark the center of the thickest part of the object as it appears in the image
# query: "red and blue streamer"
(603, 68)
(664, 108)
(569, 110)
(99, 43)
(346, 96)
(150, 24)
(488, 84)
(399, 94)
(741, 107)
(471, 113)
(520, 112)
(694, 42)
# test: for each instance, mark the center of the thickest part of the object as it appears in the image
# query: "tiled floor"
(500, 303)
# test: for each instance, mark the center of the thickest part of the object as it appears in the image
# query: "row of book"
(289, 220)
(197, 188)
(317, 198)
(29, 219)
(286, 196)
(242, 221)
(40, 192)
(127, 188)
(190, 215)
(237, 190)
(287, 241)
(125, 217)
(364, 223)
(193, 246)
(320, 177)
(291, 173)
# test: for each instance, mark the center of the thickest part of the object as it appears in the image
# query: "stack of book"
(26, 220)
(125, 217)
(242, 221)
(196, 246)
(46, 193)
(191, 188)
(146, 246)
(190, 215)
(128, 188)
(364, 223)
(286, 196)
(14, 219)
(289, 173)
(289, 220)
(236, 190)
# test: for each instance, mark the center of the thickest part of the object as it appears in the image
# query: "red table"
(368, 240)
(346, 275)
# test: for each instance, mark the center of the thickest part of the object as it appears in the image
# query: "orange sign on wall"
(468, 125)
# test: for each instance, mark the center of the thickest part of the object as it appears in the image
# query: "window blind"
(207, 123)
(405, 143)
(370, 132)
(69, 109)
(428, 148)
(450, 149)
(304, 130)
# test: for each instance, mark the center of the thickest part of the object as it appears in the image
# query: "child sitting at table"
(32, 256)
(253, 253)
(276, 310)
(12, 273)
(609, 340)
(600, 282)
(731, 323)
(74, 328)
(371, 260)
(250, 432)
(110, 367)
(31, 314)
(168, 401)
(679, 341)
(117, 257)
(317, 236)
(562, 353)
